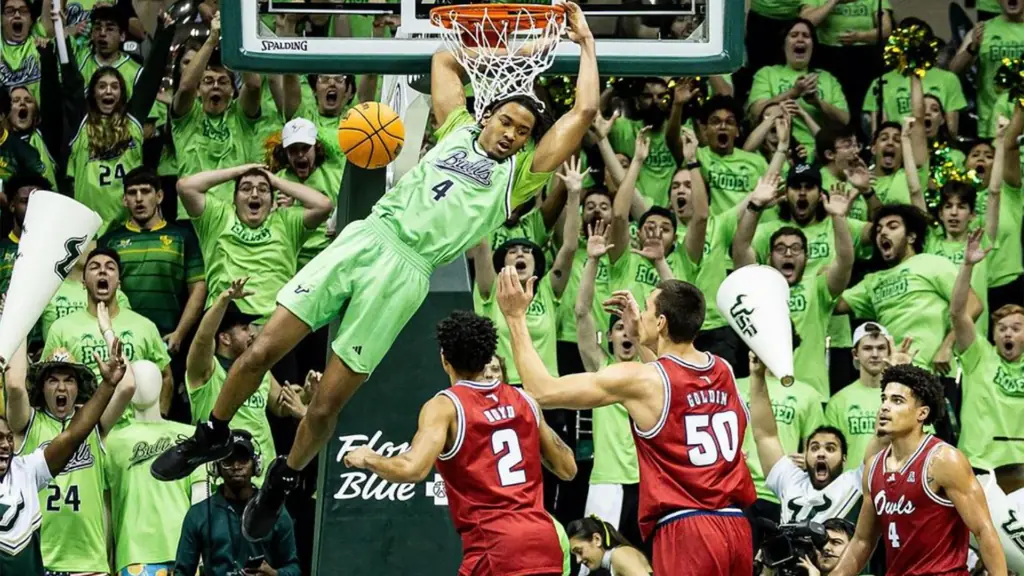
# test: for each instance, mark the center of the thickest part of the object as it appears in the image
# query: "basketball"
(371, 135)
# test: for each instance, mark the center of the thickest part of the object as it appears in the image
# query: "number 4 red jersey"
(493, 481)
(691, 460)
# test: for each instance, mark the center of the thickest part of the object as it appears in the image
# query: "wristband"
(693, 165)
(754, 207)
(108, 331)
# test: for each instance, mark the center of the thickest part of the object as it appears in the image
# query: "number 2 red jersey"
(493, 481)
(923, 532)
(691, 459)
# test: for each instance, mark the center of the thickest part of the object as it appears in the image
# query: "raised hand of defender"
(572, 175)
(902, 355)
(112, 369)
(974, 253)
(577, 28)
(597, 239)
(513, 299)
(237, 289)
(623, 305)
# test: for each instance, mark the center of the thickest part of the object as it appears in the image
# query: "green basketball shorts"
(369, 278)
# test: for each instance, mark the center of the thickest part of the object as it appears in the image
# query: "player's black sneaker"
(261, 512)
(180, 460)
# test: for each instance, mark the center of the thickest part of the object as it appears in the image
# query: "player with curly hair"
(488, 441)
(921, 493)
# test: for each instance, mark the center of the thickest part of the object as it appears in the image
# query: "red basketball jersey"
(692, 458)
(493, 482)
(923, 532)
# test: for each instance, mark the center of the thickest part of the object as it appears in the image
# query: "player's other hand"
(513, 298)
(576, 24)
(357, 457)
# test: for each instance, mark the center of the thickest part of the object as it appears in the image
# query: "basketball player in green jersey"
(377, 272)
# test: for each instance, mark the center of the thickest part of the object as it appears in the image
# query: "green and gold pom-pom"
(561, 90)
(944, 170)
(703, 89)
(1010, 78)
(911, 50)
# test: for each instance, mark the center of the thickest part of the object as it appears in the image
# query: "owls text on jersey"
(800, 501)
(19, 502)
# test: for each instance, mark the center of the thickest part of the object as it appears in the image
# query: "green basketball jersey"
(70, 298)
(993, 404)
(72, 503)
(129, 69)
(853, 410)
(35, 140)
(457, 194)
(157, 265)
(98, 176)
(19, 65)
(252, 416)
(614, 449)
(797, 410)
(146, 514)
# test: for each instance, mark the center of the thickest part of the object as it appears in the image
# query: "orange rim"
(467, 13)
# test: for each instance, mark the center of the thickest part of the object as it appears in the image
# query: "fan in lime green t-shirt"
(728, 172)
(817, 92)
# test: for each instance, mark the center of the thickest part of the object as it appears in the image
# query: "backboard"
(634, 38)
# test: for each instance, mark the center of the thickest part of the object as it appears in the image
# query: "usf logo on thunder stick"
(755, 302)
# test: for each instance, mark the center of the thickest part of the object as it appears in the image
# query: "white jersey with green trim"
(20, 518)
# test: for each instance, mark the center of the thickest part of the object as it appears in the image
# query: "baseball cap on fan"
(868, 329)
(803, 173)
(298, 131)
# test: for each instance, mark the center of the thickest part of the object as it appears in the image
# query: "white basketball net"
(503, 58)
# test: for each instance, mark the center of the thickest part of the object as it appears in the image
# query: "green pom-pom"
(1010, 78)
(911, 50)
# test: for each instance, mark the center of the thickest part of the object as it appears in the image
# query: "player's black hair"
(26, 178)
(787, 231)
(914, 220)
(833, 431)
(141, 176)
(925, 387)
(682, 305)
(781, 55)
(467, 341)
(541, 120)
(883, 126)
(840, 525)
(658, 211)
(585, 528)
(716, 103)
(825, 139)
(105, 251)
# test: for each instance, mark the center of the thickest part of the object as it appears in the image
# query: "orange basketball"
(371, 135)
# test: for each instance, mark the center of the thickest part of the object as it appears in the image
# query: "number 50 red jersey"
(692, 458)
(493, 481)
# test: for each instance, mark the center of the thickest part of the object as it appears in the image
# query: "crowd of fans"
(891, 204)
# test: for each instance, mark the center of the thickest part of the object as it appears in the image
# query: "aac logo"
(436, 490)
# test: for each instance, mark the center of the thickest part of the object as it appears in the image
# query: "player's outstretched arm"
(447, 91)
(619, 383)
(865, 538)
(565, 136)
(762, 418)
(556, 455)
(950, 469)
(58, 452)
(413, 465)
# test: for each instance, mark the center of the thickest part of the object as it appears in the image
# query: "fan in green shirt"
(247, 238)
(224, 333)
(989, 43)
(993, 375)
(597, 214)
(25, 122)
(943, 85)
(19, 57)
(812, 295)
(615, 460)
(106, 36)
(39, 407)
(211, 128)
(730, 173)
(816, 91)
(910, 295)
(847, 22)
(163, 272)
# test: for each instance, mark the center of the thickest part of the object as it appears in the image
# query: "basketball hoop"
(502, 47)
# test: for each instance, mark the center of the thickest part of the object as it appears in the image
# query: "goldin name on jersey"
(365, 485)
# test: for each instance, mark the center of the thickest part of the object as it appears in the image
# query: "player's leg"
(212, 439)
(310, 300)
(703, 544)
(388, 292)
